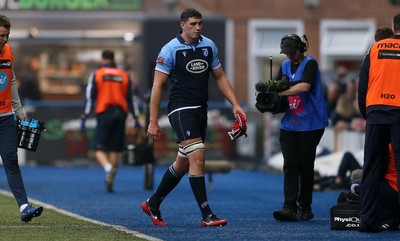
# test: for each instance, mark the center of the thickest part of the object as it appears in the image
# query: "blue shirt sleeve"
(215, 61)
(165, 60)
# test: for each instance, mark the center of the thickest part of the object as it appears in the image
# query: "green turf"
(52, 225)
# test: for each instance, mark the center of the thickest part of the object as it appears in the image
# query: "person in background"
(349, 162)
(379, 103)
(342, 180)
(383, 33)
(109, 93)
(344, 111)
(358, 122)
(187, 62)
(341, 77)
(301, 129)
(332, 95)
(11, 106)
(29, 82)
(388, 208)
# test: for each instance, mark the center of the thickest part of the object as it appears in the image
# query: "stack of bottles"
(29, 133)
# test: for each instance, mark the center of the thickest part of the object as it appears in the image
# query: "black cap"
(290, 44)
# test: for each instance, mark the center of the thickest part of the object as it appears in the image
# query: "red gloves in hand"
(239, 127)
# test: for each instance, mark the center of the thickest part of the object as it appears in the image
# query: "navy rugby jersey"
(188, 67)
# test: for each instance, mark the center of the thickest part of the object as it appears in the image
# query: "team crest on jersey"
(205, 52)
(184, 53)
(160, 60)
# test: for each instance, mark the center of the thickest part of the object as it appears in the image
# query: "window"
(344, 39)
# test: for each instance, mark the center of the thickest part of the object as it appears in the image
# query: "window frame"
(329, 54)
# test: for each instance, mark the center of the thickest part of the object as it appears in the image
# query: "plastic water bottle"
(23, 135)
(33, 135)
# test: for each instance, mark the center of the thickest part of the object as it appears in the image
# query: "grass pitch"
(53, 225)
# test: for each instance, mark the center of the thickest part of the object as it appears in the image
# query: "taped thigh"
(181, 152)
(193, 147)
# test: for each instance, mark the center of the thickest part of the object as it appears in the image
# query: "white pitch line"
(77, 216)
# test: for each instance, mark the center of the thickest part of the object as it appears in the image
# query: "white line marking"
(77, 216)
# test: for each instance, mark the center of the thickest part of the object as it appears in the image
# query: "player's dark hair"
(382, 33)
(190, 13)
(108, 55)
(5, 22)
(396, 22)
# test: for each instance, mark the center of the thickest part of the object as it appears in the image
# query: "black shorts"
(189, 123)
(110, 130)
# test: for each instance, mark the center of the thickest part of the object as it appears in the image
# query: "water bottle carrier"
(29, 131)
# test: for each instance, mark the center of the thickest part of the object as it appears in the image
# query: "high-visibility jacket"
(6, 75)
(384, 82)
(112, 86)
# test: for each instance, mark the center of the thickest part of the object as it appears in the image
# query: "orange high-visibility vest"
(384, 81)
(6, 75)
(112, 87)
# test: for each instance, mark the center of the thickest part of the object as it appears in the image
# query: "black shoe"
(285, 214)
(389, 227)
(364, 228)
(212, 220)
(305, 215)
(30, 212)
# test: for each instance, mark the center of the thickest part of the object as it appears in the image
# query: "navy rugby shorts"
(110, 130)
(189, 123)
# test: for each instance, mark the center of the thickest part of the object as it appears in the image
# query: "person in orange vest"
(109, 94)
(388, 205)
(388, 209)
(10, 106)
(379, 104)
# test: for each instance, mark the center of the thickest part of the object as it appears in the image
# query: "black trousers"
(299, 150)
(8, 152)
(348, 163)
(388, 209)
(377, 139)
